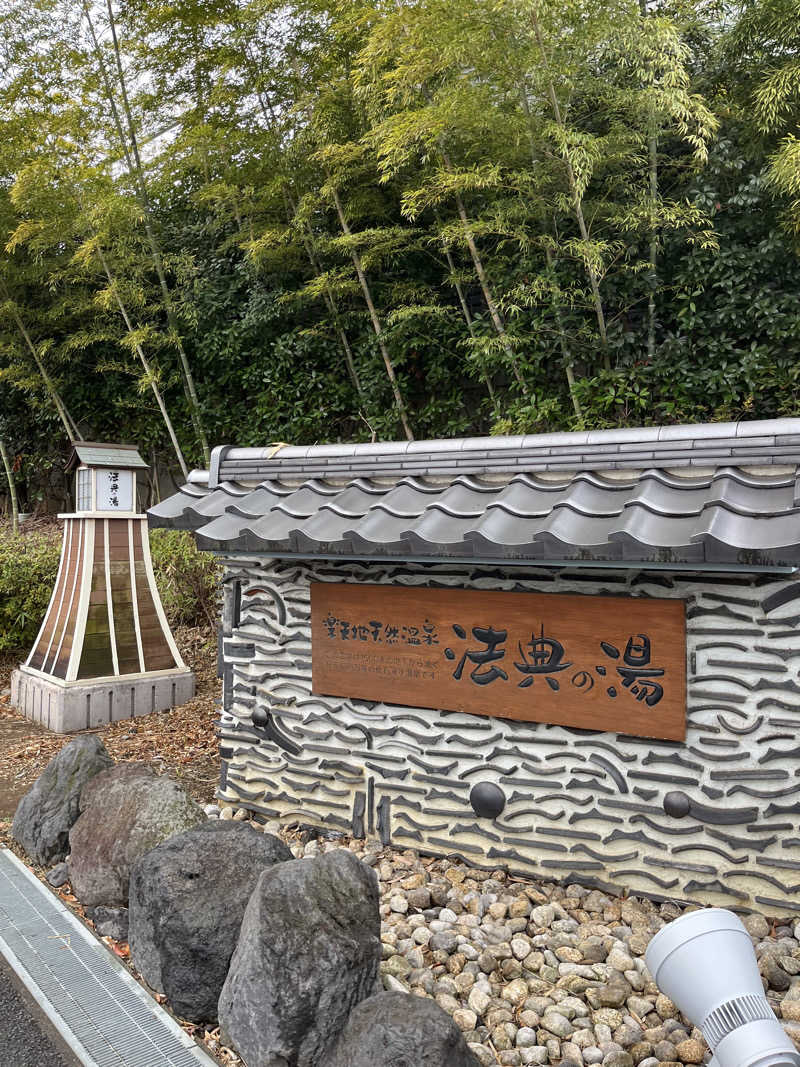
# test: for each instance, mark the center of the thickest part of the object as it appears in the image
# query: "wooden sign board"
(595, 662)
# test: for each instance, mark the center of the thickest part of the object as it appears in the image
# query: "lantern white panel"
(114, 490)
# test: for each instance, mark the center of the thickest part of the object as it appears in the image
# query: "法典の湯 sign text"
(601, 663)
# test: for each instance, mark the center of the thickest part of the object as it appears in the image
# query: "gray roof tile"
(645, 514)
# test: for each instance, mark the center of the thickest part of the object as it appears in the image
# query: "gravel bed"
(541, 973)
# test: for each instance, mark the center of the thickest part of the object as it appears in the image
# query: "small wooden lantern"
(105, 650)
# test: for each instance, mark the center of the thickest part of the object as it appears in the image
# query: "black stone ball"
(260, 717)
(487, 800)
(677, 804)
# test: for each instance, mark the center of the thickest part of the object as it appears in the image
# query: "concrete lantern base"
(68, 707)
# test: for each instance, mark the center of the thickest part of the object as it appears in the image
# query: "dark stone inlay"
(791, 865)
(631, 835)
(392, 773)
(239, 649)
(645, 794)
(705, 847)
(405, 817)
(624, 756)
(474, 850)
(758, 828)
(385, 820)
(787, 905)
(481, 769)
(636, 873)
(595, 787)
(265, 728)
(669, 779)
(556, 831)
(680, 865)
(579, 816)
(764, 794)
(715, 887)
(782, 596)
(674, 831)
(433, 780)
(719, 757)
(777, 753)
(460, 828)
(782, 653)
(756, 844)
(412, 835)
(359, 808)
(781, 809)
(749, 775)
(607, 765)
(770, 668)
(741, 730)
(529, 842)
(625, 857)
(572, 865)
(712, 792)
(674, 758)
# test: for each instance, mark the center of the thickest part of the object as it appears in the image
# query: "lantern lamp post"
(104, 651)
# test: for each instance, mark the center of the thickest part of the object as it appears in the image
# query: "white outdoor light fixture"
(704, 962)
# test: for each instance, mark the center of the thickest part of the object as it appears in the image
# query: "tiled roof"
(93, 454)
(694, 495)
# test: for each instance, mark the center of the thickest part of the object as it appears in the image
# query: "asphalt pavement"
(27, 1038)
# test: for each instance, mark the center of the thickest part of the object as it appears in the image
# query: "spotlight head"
(704, 962)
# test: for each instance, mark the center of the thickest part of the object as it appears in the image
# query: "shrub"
(188, 580)
(28, 568)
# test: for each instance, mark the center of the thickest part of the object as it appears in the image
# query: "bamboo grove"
(251, 221)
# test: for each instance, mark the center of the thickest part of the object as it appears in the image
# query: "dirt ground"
(182, 741)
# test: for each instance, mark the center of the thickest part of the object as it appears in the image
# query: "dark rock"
(58, 875)
(308, 952)
(187, 900)
(48, 810)
(109, 922)
(399, 1030)
(125, 812)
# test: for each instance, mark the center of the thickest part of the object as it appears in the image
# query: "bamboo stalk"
(12, 488)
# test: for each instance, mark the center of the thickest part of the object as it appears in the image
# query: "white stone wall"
(580, 805)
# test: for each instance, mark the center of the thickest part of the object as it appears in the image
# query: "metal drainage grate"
(100, 1010)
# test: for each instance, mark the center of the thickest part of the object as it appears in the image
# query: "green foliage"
(187, 580)
(338, 217)
(28, 568)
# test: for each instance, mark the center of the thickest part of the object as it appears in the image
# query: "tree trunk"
(308, 244)
(72, 431)
(562, 339)
(563, 343)
(130, 149)
(12, 489)
(483, 279)
(577, 200)
(652, 274)
(376, 322)
(145, 364)
(464, 309)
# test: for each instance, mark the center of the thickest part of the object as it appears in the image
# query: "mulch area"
(182, 741)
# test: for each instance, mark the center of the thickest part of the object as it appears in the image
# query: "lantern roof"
(95, 454)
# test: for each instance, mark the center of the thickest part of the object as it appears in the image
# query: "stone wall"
(582, 805)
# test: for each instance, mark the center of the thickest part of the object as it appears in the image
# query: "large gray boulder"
(308, 952)
(125, 812)
(187, 900)
(400, 1030)
(48, 810)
